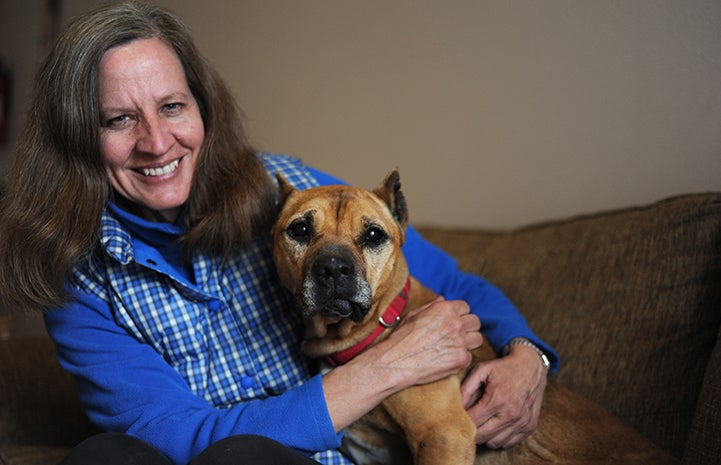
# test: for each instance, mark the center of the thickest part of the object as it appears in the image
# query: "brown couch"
(631, 299)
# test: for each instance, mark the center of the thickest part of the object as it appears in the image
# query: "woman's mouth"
(169, 168)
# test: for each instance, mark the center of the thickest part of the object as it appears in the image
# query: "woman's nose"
(155, 138)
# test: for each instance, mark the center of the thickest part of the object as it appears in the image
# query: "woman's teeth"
(169, 168)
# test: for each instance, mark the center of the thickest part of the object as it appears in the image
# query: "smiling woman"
(152, 133)
(69, 157)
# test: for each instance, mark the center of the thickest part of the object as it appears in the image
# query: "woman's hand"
(430, 343)
(511, 403)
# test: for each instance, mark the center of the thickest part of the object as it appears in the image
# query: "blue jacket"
(183, 356)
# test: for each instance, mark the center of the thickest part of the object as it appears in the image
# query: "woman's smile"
(167, 169)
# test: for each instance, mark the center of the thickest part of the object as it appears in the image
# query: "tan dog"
(338, 250)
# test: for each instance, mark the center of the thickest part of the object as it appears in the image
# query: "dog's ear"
(390, 192)
(284, 188)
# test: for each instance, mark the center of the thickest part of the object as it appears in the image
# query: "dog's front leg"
(437, 427)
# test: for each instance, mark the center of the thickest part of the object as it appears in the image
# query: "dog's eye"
(374, 236)
(300, 230)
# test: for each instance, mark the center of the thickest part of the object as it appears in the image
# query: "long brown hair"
(57, 188)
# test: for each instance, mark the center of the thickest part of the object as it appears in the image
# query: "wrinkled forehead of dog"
(343, 204)
(346, 207)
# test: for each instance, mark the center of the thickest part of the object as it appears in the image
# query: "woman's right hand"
(431, 343)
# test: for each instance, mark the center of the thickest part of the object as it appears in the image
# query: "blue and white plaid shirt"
(230, 331)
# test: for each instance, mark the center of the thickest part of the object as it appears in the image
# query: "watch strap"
(523, 341)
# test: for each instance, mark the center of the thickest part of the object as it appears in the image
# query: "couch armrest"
(38, 400)
(703, 446)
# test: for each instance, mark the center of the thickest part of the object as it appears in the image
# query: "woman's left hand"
(511, 403)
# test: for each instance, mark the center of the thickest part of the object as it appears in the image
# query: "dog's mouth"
(349, 309)
(332, 317)
(335, 320)
(337, 309)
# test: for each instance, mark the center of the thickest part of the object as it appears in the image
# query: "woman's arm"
(126, 386)
(500, 319)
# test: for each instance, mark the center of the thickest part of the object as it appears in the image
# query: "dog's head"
(338, 249)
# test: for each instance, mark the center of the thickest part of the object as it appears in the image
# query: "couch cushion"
(631, 299)
(31, 455)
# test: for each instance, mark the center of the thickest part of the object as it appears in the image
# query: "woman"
(135, 185)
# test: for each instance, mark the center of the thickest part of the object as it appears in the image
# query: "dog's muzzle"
(335, 287)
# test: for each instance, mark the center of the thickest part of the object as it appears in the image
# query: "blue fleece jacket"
(185, 355)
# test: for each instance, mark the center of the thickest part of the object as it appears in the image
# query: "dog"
(337, 249)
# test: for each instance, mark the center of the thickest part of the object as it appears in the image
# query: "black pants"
(121, 449)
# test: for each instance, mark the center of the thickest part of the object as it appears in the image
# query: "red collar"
(392, 315)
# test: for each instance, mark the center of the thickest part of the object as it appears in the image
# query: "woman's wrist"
(522, 341)
(355, 388)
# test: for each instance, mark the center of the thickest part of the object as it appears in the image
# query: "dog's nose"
(333, 269)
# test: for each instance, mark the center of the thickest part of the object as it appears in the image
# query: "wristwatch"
(523, 341)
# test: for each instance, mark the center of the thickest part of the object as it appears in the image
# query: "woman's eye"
(118, 121)
(173, 108)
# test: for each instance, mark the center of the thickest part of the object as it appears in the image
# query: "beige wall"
(498, 113)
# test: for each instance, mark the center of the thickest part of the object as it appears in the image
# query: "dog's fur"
(338, 250)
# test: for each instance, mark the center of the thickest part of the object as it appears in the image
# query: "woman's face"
(151, 131)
